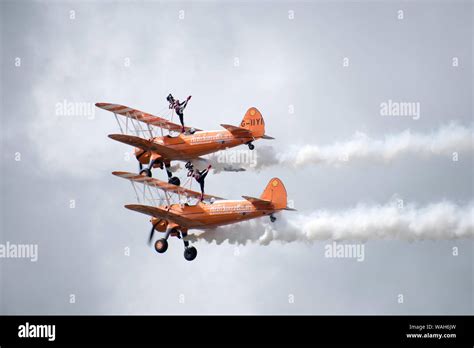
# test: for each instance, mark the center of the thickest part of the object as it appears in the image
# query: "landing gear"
(174, 180)
(272, 218)
(251, 146)
(146, 172)
(171, 179)
(190, 253)
(161, 245)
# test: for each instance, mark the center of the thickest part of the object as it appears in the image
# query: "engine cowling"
(160, 224)
(142, 156)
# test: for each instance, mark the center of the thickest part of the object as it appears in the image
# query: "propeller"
(151, 234)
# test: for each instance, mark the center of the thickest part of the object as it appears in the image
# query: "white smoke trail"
(438, 221)
(446, 140)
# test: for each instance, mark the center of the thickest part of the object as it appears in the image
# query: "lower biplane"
(157, 151)
(189, 213)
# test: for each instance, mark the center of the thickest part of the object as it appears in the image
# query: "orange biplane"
(158, 151)
(177, 219)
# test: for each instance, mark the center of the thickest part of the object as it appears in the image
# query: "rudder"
(275, 192)
(254, 122)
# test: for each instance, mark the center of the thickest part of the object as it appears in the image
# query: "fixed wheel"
(175, 181)
(146, 171)
(272, 218)
(190, 253)
(161, 245)
(251, 146)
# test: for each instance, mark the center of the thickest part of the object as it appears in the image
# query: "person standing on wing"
(178, 107)
(199, 176)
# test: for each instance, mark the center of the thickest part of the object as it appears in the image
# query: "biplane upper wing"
(237, 131)
(161, 213)
(258, 202)
(142, 116)
(146, 145)
(162, 185)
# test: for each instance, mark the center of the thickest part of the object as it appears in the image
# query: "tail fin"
(253, 121)
(275, 192)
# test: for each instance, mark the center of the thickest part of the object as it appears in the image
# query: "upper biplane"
(158, 150)
(188, 212)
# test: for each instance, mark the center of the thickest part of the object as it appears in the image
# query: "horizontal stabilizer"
(237, 131)
(258, 201)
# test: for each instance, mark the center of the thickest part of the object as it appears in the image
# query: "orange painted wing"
(147, 145)
(162, 185)
(164, 214)
(142, 116)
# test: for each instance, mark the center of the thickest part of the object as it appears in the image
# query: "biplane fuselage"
(217, 212)
(205, 216)
(187, 146)
(177, 219)
(202, 143)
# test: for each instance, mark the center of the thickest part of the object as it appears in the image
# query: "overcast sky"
(135, 53)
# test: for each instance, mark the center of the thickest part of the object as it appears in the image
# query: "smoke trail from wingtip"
(438, 221)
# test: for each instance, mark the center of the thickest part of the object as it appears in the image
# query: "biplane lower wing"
(146, 145)
(167, 187)
(142, 116)
(164, 214)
